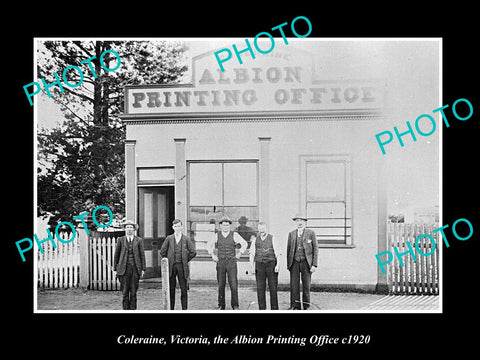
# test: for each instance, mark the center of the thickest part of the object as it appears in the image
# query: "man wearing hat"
(129, 263)
(302, 260)
(244, 230)
(223, 249)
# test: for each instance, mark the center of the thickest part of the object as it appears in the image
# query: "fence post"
(382, 220)
(165, 284)
(84, 251)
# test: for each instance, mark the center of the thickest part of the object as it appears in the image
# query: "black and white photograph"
(158, 133)
(260, 186)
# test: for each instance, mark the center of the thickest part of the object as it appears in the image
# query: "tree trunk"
(97, 87)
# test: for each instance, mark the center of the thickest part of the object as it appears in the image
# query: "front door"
(156, 212)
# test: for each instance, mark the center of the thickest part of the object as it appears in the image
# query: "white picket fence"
(420, 275)
(102, 277)
(59, 267)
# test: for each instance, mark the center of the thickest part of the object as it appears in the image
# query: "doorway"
(156, 211)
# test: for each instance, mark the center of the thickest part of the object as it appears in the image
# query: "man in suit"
(223, 249)
(302, 260)
(179, 250)
(129, 264)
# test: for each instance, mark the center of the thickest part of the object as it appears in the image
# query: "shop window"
(326, 197)
(222, 188)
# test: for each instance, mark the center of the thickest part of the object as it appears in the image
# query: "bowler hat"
(130, 222)
(225, 219)
(242, 218)
(299, 216)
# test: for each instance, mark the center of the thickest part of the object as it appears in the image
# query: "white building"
(279, 134)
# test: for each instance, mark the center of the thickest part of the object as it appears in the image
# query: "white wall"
(411, 72)
(289, 139)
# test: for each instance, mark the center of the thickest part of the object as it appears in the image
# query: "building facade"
(262, 141)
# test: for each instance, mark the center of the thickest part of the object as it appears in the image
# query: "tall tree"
(82, 160)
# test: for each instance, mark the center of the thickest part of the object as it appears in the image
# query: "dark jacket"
(187, 248)
(121, 255)
(309, 244)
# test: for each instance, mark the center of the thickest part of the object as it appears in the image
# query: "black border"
(92, 334)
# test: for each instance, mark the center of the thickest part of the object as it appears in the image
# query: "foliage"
(81, 161)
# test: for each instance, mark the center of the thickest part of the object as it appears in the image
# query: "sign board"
(279, 83)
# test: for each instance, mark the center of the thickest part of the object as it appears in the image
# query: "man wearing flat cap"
(224, 251)
(302, 260)
(129, 263)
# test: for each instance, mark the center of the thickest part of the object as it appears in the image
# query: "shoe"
(220, 308)
(236, 308)
(293, 308)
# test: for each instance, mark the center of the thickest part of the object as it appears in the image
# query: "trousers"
(297, 270)
(266, 271)
(227, 268)
(129, 286)
(177, 272)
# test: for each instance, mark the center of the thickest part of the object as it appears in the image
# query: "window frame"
(346, 159)
(223, 206)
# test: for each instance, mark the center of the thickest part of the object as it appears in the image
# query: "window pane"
(236, 212)
(156, 174)
(326, 192)
(326, 210)
(202, 233)
(161, 230)
(205, 184)
(328, 222)
(325, 181)
(148, 215)
(205, 213)
(245, 221)
(240, 184)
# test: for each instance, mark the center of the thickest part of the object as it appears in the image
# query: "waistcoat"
(299, 249)
(264, 249)
(178, 251)
(225, 246)
(130, 257)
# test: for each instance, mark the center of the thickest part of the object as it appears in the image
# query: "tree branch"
(72, 112)
(80, 95)
(81, 47)
(111, 183)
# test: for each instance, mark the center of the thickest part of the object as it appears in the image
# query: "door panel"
(155, 206)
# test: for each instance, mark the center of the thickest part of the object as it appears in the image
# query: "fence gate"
(102, 250)
(419, 275)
